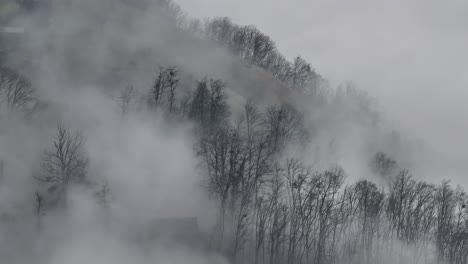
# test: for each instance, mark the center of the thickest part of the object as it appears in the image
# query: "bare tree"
(301, 74)
(39, 200)
(279, 67)
(383, 165)
(218, 107)
(159, 88)
(208, 106)
(370, 201)
(200, 103)
(283, 123)
(173, 83)
(220, 30)
(125, 98)
(164, 88)
(222, 152)
(400, 203)
(64, 164)
(327, 186)
(15, 90)
(445, 204)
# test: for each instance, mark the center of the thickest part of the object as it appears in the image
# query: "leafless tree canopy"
(15, 90)
(164, 88)
(64, 163)
(254, 47)
(273, 207)
(126, 98)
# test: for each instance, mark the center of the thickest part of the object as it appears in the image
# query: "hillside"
(114, 114)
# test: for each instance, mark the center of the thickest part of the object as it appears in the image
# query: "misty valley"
(131, 132)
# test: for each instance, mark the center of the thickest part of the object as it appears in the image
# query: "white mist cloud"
(408, 54)
(151, 168)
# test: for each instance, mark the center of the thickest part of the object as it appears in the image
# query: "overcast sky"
(411, 55)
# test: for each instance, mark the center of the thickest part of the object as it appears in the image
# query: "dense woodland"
(273, 206)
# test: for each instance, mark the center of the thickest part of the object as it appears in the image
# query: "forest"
(118, 112)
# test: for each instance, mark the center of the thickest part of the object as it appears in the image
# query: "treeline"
(254, 47)
(274, 208)
(285, 212)
(251, 45)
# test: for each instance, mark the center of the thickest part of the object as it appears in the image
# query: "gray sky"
(410, 55)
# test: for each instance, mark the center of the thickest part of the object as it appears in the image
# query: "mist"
(406, 54)
(122, 122)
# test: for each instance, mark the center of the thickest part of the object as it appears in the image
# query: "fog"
(126, 112)
(409, 55)
(149, 165)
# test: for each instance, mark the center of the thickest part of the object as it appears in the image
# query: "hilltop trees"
(258, 49)
(273, 205)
